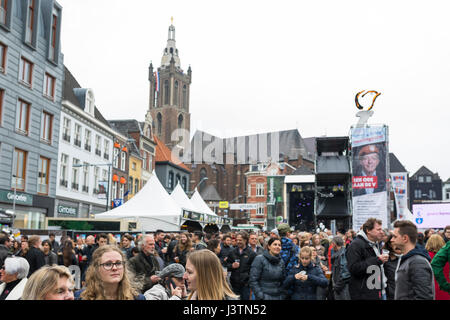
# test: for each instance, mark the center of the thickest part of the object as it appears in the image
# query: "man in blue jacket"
(289, 251)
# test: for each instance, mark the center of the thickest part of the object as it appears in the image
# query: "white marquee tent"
(182, 199)
(198, 201)
(152, 206)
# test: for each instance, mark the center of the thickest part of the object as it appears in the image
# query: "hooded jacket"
(362, 262)
(289, 253)
(414, 278)
(305, 290)
(267, 274)
(438, 263)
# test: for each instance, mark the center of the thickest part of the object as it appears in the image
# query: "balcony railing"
(98, 152)
(87, 147)
(75, 186)
(63, 183)
(77, 143)
(18, 183)
(106, 156)
(85, 189)
(66, 137)
(42, 188)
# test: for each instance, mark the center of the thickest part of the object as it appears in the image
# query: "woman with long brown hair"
(205, 277)
(107, 277)
(68, 256)
(182, 249)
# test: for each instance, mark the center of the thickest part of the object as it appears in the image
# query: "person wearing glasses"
(107, 277)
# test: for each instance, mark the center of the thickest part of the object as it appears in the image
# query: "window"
(170, 185)
(114, 190)
(3, 11)
(63, 172)
(249, 190)
(184, 97)
(77, 140)
(133, 166)
(136, 186)
(130, 184)
(260, 209)
(46, 127)
(144, 160)
(22, 116)
(49, 86)
(260, 189)
(106, 149)
(44, 169)
(26, 72)
(19, 169)
(53, 37)
(85, 187)
(105, 175)
(121, 191)
(30, 24)
(159, 123)
(432, 194)
(417, 194)
(421, 179)
(2, 93)
(178, 178)
(166, 91)
(175, 94)
(96, 178)
(87, 140)
(66, 129)
(90, 102)
(123, 159)
(150, 162)
(75, 184)
(428, 178)
(184, 183)
(116, 158)
(3, 54)
(98, 144)
(180, 121)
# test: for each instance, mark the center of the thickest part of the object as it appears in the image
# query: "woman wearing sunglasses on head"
(107, 277)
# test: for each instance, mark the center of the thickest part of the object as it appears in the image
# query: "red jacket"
(441, 295)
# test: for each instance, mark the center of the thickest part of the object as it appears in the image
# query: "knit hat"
(284, 228)
(275, 231)
(172, 270)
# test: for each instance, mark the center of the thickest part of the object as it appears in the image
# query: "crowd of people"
(369, 264)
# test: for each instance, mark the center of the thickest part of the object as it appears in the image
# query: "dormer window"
(90, 102)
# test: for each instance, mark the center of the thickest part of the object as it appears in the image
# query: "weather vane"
(364, 115)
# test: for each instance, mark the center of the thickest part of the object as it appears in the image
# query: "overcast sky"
(260, 66)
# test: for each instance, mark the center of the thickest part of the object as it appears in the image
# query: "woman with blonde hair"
(50, 283)
(107, 277)
(205, 277)
(434, 244)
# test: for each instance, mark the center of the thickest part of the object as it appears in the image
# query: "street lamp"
(14, 200)
(129, 140)
(198, 184)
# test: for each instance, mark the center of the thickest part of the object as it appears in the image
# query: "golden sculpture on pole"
(359, 106)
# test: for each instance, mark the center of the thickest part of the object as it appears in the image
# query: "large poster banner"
(369, 172)
(399, 185)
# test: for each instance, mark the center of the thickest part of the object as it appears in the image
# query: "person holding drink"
(182, 249)
(305, 277)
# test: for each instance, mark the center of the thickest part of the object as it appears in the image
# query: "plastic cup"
(328, 274)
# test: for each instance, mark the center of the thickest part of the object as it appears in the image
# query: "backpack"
(345, 274)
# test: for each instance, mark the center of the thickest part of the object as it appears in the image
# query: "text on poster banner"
(365, 182)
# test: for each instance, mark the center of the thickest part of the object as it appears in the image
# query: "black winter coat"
(360, 255)
(224, 252)
(305, 290)
(36, 259)
(389, 270)
(338, 282)
(240, 276)
(267, 275)
(143, 270)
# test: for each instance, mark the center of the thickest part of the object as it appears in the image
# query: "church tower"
(169, 93)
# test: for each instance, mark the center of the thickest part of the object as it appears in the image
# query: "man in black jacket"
(145, 265)
(239, 262)
(365, 262)
(414, 275)
(225, 249)
(5, 247)
(34, 256)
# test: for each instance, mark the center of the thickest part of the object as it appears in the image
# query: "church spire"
(171, 50)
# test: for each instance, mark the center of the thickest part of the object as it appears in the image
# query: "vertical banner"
(369, 174)
(275, 186)
(399, 185)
